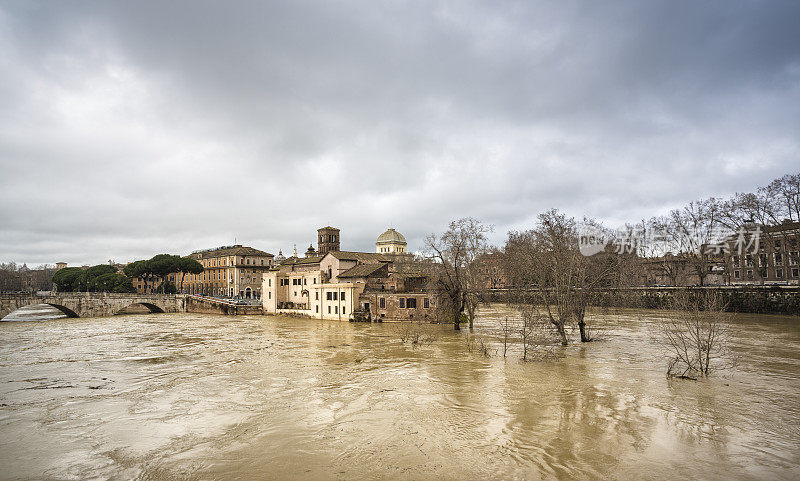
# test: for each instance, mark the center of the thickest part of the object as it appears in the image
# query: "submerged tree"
(547, 268)
(694, 333)
(453, 270)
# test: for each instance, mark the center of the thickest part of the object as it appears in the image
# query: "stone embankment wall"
(213, 306)
(745, 299)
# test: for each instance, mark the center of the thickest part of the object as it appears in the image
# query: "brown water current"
(190, 396)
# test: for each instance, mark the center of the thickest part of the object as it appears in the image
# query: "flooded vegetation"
(164, 396)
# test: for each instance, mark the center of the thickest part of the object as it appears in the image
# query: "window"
(336, 309)
(777, 244)
(269, 295)
(794, 272)
(778, 259)
(269, 282)
(779, 273)
(382, 303)
(402, 303)
(748, 260)
(762, 260)
(736, 275)
(793, 258)
(316, 295)
(329, 309)
(426, 303)
(343, 310)
(342, 295)
(411, 303)
(305, 282)
(749, 274)
(295, 293)
(735, 261)
(335, 295)
(330, 296)
(315, 280)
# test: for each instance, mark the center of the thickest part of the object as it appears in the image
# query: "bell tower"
(328, 238)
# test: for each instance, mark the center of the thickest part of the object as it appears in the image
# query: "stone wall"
(213, 306)
(92, 304)
(745, 299)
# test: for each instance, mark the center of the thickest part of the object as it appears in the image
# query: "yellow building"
(232, 271)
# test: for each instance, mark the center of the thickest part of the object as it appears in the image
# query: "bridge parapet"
(92, 304)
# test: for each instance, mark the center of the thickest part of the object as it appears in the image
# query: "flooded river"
(190, 396)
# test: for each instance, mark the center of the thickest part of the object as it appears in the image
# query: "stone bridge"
(92, 304)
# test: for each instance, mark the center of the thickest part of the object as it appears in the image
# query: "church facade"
(333, 284)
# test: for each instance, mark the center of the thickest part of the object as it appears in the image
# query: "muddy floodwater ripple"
(190, 396)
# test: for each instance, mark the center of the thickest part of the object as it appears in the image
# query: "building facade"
(231, 271)
(328, 240)
(348, 285)
(764, 255)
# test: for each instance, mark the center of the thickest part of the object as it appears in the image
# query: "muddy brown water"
(188, 396)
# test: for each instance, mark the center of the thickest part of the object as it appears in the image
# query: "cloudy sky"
(129, 129)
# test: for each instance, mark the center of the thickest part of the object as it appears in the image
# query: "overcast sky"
(130, 129)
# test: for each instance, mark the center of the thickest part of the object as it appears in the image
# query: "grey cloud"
(130, 128)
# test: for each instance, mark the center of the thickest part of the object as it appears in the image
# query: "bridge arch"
(63, 309)
(154, 309)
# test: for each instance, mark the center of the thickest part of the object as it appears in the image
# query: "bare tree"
(694, 335)
(547, 263)
(453, 274)
(687, 232)
(506, 329)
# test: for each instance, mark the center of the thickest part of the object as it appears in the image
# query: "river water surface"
(190, 396)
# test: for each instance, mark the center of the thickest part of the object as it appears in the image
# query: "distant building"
(773, 259)
(391, 242)
(328, 240)
(491, 272)
(346, 285)
(230, 271)
(61, 265)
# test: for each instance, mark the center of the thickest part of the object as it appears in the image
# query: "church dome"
(392, 236)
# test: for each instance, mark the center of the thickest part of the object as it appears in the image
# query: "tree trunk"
(582, 329)
(580, 313)
(562, 333)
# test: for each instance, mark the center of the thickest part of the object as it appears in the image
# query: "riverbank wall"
(204, 305)
(783, 300)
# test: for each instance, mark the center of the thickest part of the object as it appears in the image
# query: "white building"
(391, 242)
(311, 286)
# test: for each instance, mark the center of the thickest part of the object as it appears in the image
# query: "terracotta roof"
(409, 269)
(328, 228)
(362, 270)
(230, 251)
(295, 261)
(362, 257)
